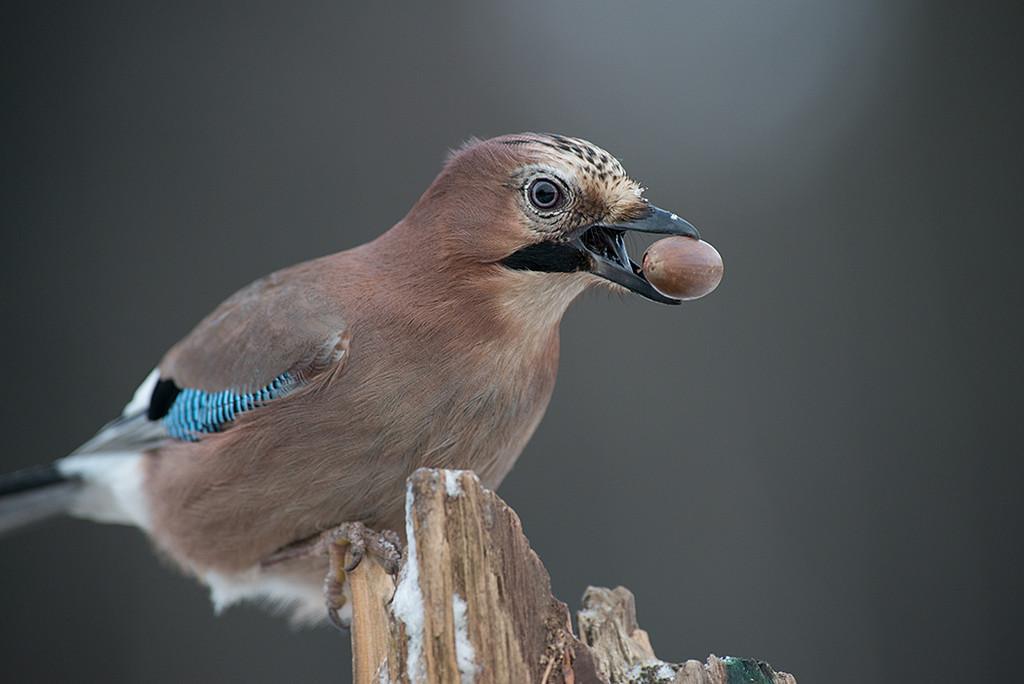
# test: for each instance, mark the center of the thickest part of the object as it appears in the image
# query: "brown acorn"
(682, 267)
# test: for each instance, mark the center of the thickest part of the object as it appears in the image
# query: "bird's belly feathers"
(333, 454)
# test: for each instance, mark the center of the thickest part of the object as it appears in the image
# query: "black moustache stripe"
(549, 257)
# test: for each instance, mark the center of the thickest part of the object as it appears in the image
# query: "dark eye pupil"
(543, 194)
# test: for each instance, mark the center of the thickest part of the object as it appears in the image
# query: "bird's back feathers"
(286, 322)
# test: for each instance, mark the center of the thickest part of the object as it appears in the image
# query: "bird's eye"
(544, 194)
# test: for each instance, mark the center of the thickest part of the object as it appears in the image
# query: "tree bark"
(473, 603)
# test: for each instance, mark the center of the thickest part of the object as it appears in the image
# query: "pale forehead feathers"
(586, 158)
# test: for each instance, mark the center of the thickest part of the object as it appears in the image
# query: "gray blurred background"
(817, 465)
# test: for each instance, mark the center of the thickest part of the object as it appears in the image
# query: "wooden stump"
(473, 603)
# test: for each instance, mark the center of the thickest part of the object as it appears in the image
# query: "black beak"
(601, 250)
(659, 221)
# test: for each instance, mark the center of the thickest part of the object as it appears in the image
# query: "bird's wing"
(260, 344)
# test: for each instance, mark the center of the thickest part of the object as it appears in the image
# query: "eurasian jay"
(288, 420)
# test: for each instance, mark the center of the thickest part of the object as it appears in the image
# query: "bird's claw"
(355, 541)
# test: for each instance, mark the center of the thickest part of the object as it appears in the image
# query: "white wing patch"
(111, 469)
(140, 400)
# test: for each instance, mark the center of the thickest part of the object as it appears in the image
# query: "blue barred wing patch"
(195, 412)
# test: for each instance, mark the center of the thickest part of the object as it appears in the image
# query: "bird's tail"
(34, 494)
(101, 480)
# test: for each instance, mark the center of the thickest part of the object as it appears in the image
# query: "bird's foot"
(355, 540)
(358, 540)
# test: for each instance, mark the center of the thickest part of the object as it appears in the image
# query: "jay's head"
(544, 205)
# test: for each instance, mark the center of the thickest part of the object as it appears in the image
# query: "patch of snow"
(666, 672)
(451, 482)
(652, 672)
(465, 654)
(407, 604)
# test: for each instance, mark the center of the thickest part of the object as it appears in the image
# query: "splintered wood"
(473, 603)
(622, 651)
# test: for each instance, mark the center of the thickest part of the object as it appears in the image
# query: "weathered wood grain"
(473, 603)
(623, 655)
